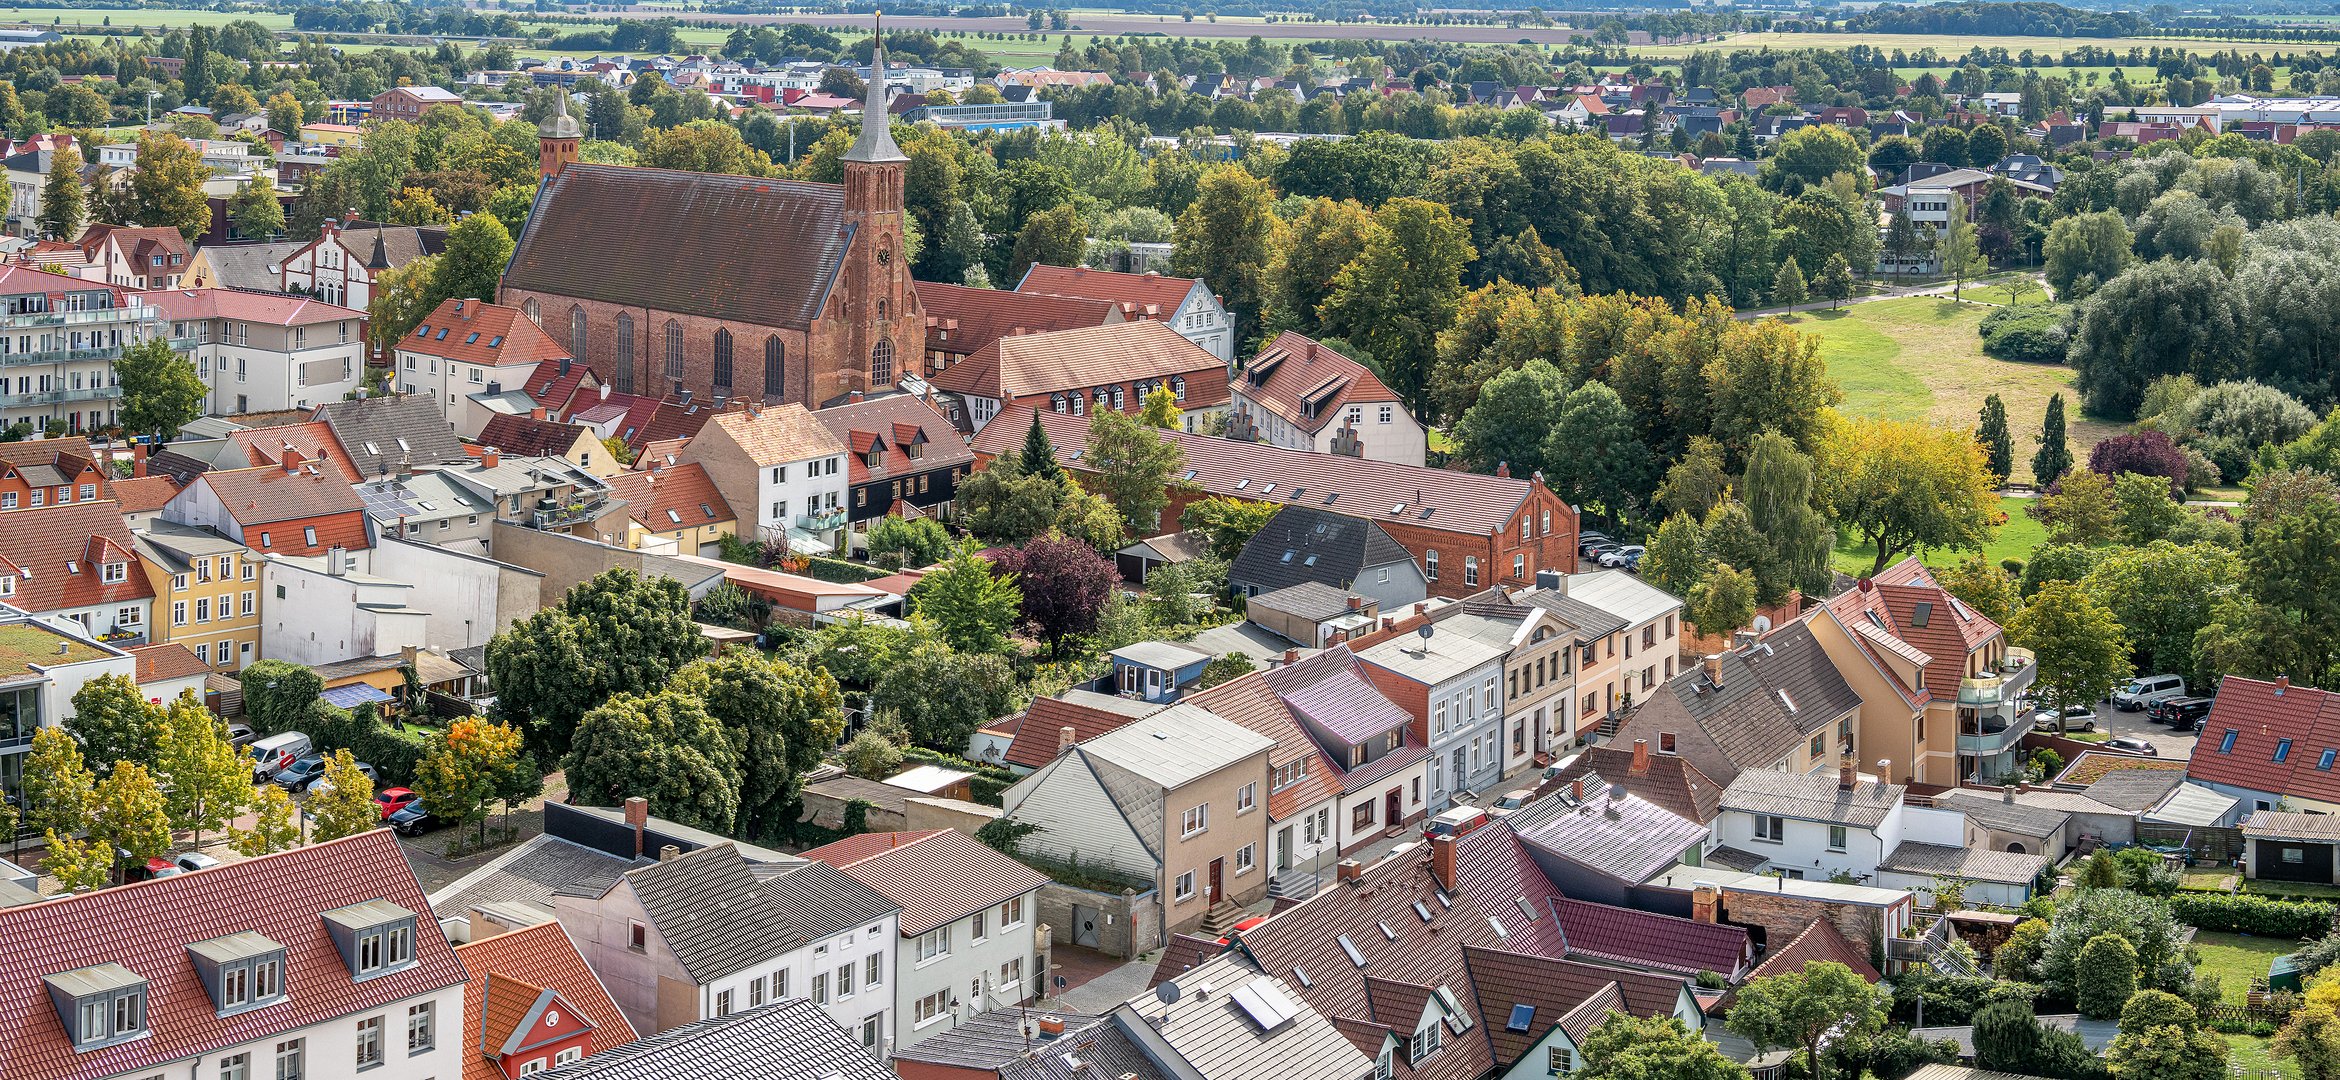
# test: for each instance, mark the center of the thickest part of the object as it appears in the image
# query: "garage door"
(2276, 860)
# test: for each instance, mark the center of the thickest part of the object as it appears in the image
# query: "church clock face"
(885, 258)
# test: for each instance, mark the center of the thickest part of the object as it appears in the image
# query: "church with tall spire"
(717, 288)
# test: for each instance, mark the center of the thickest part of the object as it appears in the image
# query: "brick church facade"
(727, 287)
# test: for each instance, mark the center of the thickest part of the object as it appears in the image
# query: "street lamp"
(150, 96)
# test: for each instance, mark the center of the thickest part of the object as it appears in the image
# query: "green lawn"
(2237, 959)
(1920, 358)
(2014, 539)
(2248, 1059)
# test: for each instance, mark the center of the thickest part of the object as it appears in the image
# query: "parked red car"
(392, 800)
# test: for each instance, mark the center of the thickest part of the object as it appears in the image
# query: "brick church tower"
(557, 138)
(884, 327)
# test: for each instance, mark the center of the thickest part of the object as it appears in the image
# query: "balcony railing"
(125, 313)
(2003, 685)
(59, 356)
(59, 397)
(1992, 736)
(822, 522)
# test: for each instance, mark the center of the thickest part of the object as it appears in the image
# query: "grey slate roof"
(1978, 864)
(1592, 621)
(712, 913)
(1624, 837)
(1218, 1039)
(991, 1040)
(1314, 601)
(531, 873)
(250, 266)
(2135, 790)
(1811, 797)
(790, 1038)
(817, 901)
(2004, 816)
(370, 430)
(1305, 544)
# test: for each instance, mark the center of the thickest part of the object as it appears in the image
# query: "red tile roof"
(1494, 871)
(1599, 932)
(143, 494)
(2261, 715)
(147, 927)
(541, 956)
(1141, 296)
(312, 441)
(962, 320)
(137, 243)
(1307, 384)
(49, 462)
(476, 332)
(1044, 722)
(530, 437)
(1818, 941)
(271, 309)
(1468, 503)
(269, 496)
(171, 661)
(43, 543)
(937, 876)
(902, 420)
(557, 390)
(659, 498)
(1892, 603)
(1075, 361)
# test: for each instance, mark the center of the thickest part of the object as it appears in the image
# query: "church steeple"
(877, 126)
(557, 138)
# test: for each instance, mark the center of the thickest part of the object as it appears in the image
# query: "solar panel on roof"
(1521, 1017)
(1265, 1004)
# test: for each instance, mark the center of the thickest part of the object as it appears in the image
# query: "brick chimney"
(669, 853)
(1356, 603)
(492, 458)
(1291, 656)
(137, 459)
(536, 413)
(1348, 871)
(2282, 682)
(1442, 860)
(1066, 736)
(1705, 903)
(1503, 469)
(1712, 665)
(1848, 776)
(1576, 790)
(853, 397)
(637, 819)
(1421, 607)
(1641, 757)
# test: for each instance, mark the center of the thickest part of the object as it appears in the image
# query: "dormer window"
(115, 573)
(375, 938)
(101, 1006)
(240, 971)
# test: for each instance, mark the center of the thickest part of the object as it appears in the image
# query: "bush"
(2253, 915)
(871, 757)
(278, 695)
(2107, 976)
(393, 752)
(2036, 335)
(840, 572)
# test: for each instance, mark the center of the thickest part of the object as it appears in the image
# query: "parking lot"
(2169, 742)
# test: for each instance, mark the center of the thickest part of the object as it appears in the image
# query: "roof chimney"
(1421, 607)
(1066, 736)
(1712, 665)
(1356, 603)
(1848, 776)
(137, 459)
(492, 458)
(1349, 871)
(2007, 794)
(669, 853)
(1576, 790)
(2282, 683)
(1641, 757)
(536, 413)
(1291, 656)
(1503, 469)
(336, 560)
(853, 397)
(1705, 903)
(1442, 860)
(637, 819)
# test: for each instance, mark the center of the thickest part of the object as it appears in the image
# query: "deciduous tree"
(57, 785)
(166, 185)
(1652, 1048)
(2080, 510)
(1226, 523)
(114, 722)
(1135, 467)
(2081, 651)
(1065, 584)
(1160, 408)
(2107, 974)
(2084, 251)
(1594, 458)
(64, 202)
(619, 633)
(942, 695)
(276, 824)
(464, 767)
(1229, 237)
(1396, 296)
(1902, 485)
(1787, 286)
(1777, 489)
(78, 865)
(210, 779)
(1723, 601)
(255, 211)
(128, 811)
(780, 716)
(967, 602)
(663, 747)
(1803, 1008)
(1836, 280)
(477, 249)
(343, 803)
(1514, 417)
(1961, 250)
(1982, 586)
(160, 390)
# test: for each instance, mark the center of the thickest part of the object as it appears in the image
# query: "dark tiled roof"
(531, 874)
(377, 432)
(897, 418)
(1791, 659)
(1185, 952)
(1647, 939)
(2135, 790)
(530, 437)
(1723, 730)
(711, 911)
(1671, 781)
(1458, 502)
(1819, 941)
(991, 1040)
(817, 901)
(791, 1037)
(1995, 812)
(680, 249)
(1302, 544)
(148, 925)
(1493, 870)
(963, 320)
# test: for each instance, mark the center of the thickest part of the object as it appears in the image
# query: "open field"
(1958, 44)
(1173, 26)
(2013, 540)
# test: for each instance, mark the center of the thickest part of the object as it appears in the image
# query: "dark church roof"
(725, 247)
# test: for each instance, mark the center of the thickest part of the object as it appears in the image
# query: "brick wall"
(1782, 917)
(1127, 923)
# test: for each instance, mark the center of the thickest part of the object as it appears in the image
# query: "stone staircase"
(1291, 887)
(1221, 919)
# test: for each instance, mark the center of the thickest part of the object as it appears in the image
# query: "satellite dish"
(1167, 993)
(1425, 630)
(1762, 624)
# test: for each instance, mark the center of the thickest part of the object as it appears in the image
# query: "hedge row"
(840, 571)
(2254, 915)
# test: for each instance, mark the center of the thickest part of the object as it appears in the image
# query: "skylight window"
(1422, 910)
(1387, 933)
(1267, 488)
(1241, 484)
(1923, 614)
(1350, 948)
(1301, 977)
(1525, 908)
(1521, 1017)
(1398, 509)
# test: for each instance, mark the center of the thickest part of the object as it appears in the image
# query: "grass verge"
(2237, 959)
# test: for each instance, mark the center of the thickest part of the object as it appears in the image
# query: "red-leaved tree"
(1066, 585)
(2148, 452)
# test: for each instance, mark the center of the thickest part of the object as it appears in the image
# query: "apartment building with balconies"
(261, 352)
(59, 338)
(783, 471)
